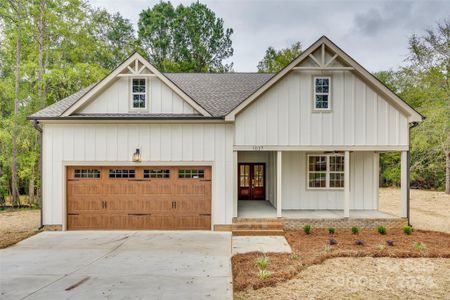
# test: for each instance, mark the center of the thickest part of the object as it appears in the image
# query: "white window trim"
(147, 102)
(327, 172)
(315, 93)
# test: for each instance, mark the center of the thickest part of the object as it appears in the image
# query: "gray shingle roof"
(217, 93)
(57, 108)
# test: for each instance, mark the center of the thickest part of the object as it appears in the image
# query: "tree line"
(50, 49)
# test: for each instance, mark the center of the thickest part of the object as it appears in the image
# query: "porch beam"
(404, 184)
(279, 162)
(347, 184)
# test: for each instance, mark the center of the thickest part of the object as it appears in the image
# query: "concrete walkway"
(118, 265)
(265, 244)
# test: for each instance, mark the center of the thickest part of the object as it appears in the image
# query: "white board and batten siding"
(114, 144)
(284, 116)
(116, 99)
(363, 191)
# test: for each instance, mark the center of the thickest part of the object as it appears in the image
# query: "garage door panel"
(113, 201)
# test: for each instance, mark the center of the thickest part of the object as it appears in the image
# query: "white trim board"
(321, 148)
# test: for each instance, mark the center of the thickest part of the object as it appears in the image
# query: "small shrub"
(390, 243)
(359, 242)
(332, 242)
(381, 247)
(420, 246)
(355, 230)
(331, 230)
(264, 274)
(307, 229)
(381, 229)
(407, 230)
(327, 249)
(262, 262)
(294, 256)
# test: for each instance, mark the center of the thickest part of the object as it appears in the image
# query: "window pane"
(337, 163)
(317, 163)
(321, 101)
(87, 173)
(317, 180)
(337, 180)
(191, 174)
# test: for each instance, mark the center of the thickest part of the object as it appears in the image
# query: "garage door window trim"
(122, 173)
(87, 173)
(157, 173)
(191, 174)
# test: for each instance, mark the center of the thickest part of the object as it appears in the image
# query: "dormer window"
(138, 93)
(322, 90)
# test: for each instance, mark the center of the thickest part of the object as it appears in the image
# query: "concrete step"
(260, 232)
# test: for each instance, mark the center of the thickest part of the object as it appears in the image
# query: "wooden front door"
(252, 183)
(133, 198)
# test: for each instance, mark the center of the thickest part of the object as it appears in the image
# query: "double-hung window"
(138, 93)
(326, 171)
(322, 92)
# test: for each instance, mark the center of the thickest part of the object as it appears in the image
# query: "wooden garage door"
(138, 198)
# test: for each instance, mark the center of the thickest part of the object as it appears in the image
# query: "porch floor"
(264, 209)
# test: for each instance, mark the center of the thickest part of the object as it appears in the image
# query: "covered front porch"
(313, 185)
(249, 209)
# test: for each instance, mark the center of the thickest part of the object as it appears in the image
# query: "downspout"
(414, 124)
(39, 128)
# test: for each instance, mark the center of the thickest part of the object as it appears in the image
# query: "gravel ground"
(17, 225)
(364, 278)
(430, 210)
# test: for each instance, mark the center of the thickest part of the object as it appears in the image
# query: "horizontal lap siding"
(295, 194)
(283, 115)
(157, 142)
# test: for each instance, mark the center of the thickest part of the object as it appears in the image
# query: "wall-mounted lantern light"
(137, 156)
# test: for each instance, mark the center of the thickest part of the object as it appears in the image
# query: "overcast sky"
(375, 33)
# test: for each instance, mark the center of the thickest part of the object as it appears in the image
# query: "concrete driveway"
(118, 265)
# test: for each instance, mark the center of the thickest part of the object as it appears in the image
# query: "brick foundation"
(294, 224)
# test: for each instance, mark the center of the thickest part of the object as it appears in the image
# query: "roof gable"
(316, 57)
(135, 65)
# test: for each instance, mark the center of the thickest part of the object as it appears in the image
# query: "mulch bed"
(314, 249)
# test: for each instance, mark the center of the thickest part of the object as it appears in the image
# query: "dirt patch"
(314, 249)
(430, 210)
(17, 225)
(364, 278)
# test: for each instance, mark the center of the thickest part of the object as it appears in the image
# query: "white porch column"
(404, 185)
(347, 184)
(279, 155)
(235, 184)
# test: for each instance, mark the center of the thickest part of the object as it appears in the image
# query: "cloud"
(375, 33)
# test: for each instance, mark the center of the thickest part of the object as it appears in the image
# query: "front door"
(252, 185)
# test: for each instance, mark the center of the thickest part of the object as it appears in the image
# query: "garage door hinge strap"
(204, 214)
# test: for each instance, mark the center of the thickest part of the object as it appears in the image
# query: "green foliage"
(294, 256)
(327, 248)
(407, 230)
(419, 246)
(381, 229)
(355, 229)
(307, 228)
(275, 60)
(424, 83)
(264, 274)
(331, 230)
(185, 39)
(262, 262)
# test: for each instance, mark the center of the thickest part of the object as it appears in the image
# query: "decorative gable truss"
(324, 56)
(134, 66)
